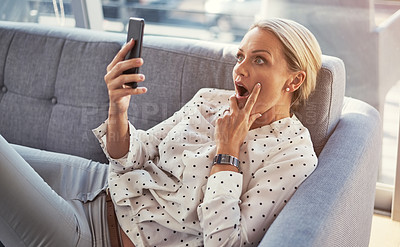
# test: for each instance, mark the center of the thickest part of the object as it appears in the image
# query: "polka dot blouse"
(164, 194)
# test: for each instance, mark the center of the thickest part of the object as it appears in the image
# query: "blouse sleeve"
(143, 144)
(230, 218)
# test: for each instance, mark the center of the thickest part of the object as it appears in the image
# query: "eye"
(239, 58)
(259, 60)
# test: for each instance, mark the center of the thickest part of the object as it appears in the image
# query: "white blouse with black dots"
(164, 195)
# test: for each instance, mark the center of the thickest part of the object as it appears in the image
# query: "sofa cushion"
(322, 110)
(52, 89)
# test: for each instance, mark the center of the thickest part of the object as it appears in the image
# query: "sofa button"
(54, 100)
(4, 89)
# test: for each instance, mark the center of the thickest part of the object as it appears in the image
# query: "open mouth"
(242, 91)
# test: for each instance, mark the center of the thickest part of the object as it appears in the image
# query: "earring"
(287, 89)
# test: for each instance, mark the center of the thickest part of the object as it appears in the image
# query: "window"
(39, 11)
(209, 20)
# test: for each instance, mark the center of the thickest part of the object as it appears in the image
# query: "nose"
(241, 69)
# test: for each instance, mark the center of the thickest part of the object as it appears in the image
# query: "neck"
(270, 116)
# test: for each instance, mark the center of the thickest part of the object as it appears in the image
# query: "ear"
(296, 80)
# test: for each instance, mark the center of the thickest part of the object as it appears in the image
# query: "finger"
(253, 118)
(233, 104)
(121, 54)
(138, 90)
(120, 93)
(125, 78)
(251, 101)
(223, 121)
(113, 75)
(227, 111)
(122, 66)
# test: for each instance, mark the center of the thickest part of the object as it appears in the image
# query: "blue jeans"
(51, 199)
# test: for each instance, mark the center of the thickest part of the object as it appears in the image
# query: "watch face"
(226, 159)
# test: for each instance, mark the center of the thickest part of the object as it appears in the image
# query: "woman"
(277, 63)
(218, 171)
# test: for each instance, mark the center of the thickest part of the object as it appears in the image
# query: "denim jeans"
(51, 199)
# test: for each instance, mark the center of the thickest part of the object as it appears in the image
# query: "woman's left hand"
(232, 128)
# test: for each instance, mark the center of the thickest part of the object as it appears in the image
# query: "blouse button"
(4, 89)
(54, 100)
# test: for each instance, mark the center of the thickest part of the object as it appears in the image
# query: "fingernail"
(258, 84)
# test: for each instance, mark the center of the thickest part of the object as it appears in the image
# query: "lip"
(241, 100)
(239, 84)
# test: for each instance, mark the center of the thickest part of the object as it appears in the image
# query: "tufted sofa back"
(52, 91)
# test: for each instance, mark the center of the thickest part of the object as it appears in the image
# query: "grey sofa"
(52, 94)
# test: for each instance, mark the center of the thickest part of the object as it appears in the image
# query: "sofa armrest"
(334, 206)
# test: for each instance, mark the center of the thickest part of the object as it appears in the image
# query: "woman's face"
(260, 59)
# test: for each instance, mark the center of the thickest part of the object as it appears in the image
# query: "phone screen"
(135, 31)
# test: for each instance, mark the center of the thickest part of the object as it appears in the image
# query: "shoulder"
(212, 95)
(207, 101)
(293, 139)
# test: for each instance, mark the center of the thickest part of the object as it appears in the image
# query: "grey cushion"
(52, 90)
(322, 111)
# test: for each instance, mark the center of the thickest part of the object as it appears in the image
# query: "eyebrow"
(258, 51)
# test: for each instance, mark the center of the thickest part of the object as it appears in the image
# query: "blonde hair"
(301, 50)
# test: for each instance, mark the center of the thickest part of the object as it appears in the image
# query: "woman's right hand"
(119, 93)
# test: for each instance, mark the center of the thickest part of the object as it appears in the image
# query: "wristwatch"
(226, 159)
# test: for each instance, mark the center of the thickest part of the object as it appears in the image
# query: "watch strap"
(226, 159)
